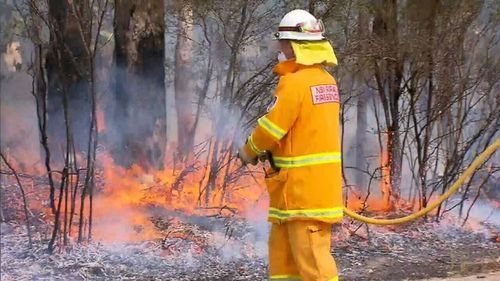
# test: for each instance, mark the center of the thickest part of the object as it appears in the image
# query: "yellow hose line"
(475, 164)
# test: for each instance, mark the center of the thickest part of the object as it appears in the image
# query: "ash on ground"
(219, 248)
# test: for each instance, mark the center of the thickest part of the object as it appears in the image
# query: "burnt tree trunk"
(389, 74)
(137, 111)
(184, 90)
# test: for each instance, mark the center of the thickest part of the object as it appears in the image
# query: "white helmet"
(300, 25)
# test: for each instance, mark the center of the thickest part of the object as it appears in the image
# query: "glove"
(246, 159)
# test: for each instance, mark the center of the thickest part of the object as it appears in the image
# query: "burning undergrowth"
(127, 201)
(129, 198)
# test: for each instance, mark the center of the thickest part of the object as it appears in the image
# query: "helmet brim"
(299, 36)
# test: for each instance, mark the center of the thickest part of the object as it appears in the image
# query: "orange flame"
(385, 183)
(101, 121)
(121, 209)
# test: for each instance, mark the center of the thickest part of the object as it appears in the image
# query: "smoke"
(248, 241)
(251, 237)
(259, 236)
(123, 224)
(228, 238)
(483, 212)
(226, 122)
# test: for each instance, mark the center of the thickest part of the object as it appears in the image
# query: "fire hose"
(453, 188)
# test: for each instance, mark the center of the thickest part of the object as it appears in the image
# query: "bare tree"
(228, 78)
(69, 64)
(430, 65)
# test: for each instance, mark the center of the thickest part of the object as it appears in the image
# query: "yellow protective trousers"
(300, 250)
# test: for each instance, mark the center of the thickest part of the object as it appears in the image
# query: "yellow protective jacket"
(301, 129)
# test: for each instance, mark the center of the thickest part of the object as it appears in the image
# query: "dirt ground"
(414, 253)
(495, 276)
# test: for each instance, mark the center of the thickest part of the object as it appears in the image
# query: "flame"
(385, 183)
(121, 208)
(101, 121)
(373, 203)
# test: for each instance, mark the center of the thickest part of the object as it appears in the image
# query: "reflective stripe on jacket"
(301, 130)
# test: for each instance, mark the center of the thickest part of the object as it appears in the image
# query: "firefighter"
(301, 131)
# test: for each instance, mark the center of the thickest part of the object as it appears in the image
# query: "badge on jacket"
(325, 94)
(272, 104)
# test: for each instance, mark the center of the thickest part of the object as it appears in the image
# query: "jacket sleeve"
(273, 126)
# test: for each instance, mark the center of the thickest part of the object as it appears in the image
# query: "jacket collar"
(289, 66)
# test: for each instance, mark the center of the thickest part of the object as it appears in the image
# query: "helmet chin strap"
(281, 57)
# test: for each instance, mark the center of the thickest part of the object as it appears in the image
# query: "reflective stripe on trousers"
(308, 160)
(293, 278)
(285, 277)
(327, 213)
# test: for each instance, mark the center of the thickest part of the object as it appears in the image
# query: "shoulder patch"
(272, 104)
(325, 94)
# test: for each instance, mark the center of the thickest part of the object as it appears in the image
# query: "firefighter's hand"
(246, 159)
